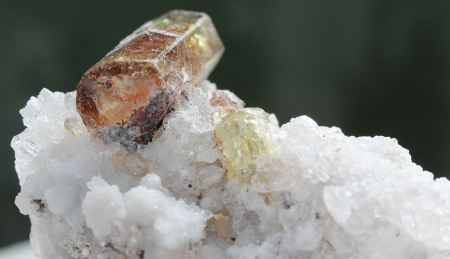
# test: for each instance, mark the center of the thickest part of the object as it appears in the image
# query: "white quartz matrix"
(321, 194)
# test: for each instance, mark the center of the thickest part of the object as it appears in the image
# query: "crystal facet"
(136, 84)
(243, 135)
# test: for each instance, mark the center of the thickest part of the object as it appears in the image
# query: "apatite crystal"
(243, 135)
(137, 83)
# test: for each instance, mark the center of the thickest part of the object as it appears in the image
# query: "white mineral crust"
(321, 194)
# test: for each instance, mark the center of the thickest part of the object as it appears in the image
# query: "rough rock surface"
(320, 194)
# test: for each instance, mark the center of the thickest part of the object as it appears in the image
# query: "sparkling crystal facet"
(136, 84)
(243, 135)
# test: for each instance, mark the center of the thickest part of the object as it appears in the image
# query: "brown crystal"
(137, 83)
(222, 227)
(226, 99)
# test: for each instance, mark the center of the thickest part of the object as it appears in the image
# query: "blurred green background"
(369, 67)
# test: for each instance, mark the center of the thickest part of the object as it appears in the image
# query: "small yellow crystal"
(243, 135)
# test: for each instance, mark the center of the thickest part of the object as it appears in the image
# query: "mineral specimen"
(320, 194)
(299, 191)
(137, 83)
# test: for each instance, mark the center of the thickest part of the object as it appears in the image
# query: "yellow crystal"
(243, 135)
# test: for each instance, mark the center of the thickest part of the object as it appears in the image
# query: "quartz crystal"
(137, 83)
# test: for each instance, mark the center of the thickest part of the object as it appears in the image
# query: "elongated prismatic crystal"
(137, 83)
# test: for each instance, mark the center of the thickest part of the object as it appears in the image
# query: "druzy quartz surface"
(217, 180)
(137, 83)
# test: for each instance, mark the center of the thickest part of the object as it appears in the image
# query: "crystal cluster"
(317, 194)
(218, 181)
